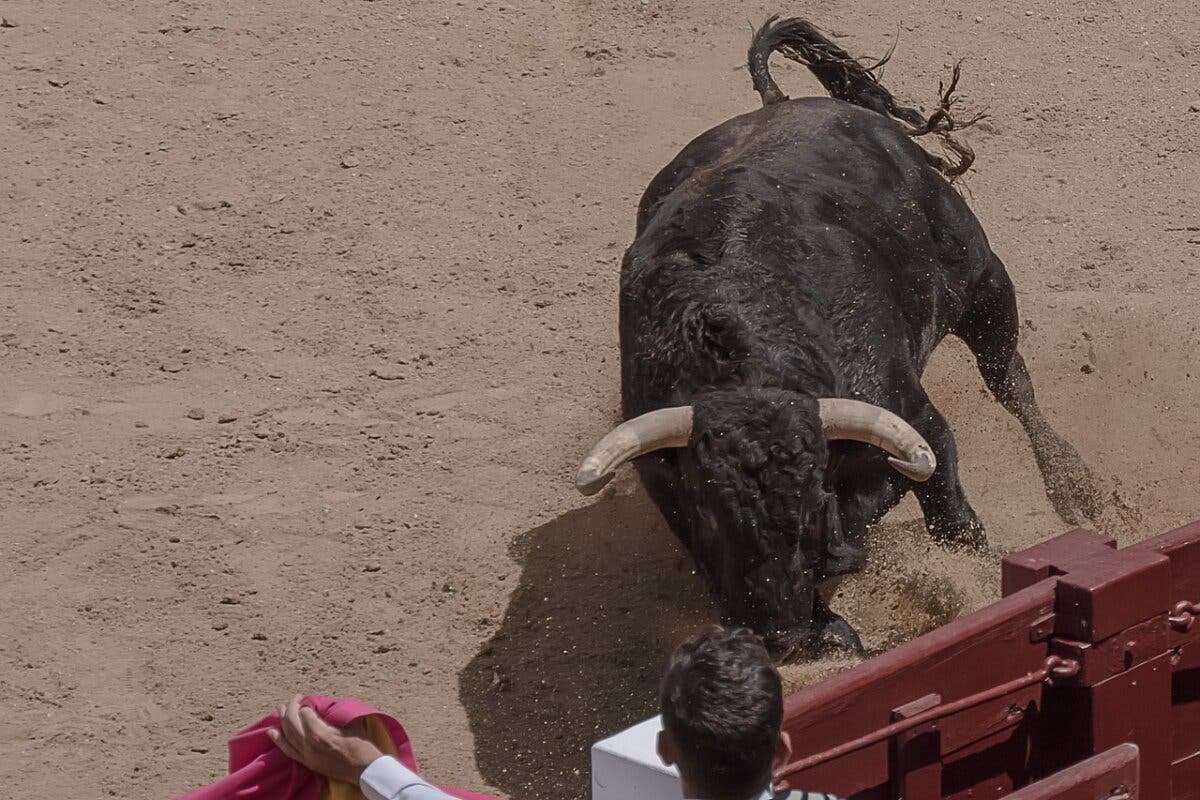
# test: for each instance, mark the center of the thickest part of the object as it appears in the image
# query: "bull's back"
(844, 201)
(810, 141)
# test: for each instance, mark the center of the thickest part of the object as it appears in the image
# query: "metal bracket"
(1183, 615)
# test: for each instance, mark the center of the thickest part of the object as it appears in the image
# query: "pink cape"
(259, 771)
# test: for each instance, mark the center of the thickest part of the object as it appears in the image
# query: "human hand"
(338, 753)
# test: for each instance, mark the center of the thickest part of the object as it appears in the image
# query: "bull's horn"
(851, 419)
(654, 430)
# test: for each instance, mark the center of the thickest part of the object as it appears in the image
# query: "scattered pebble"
(370, 567)
(4, 23)
(349, 161)
(171, 367)
(259, 637)
(140, 424)
(225, 419)
(220, 626)
(978, 20)
(386, 374)
(57, 83)
(1194, 108)
(195, 413)
(275, 375)
(1087, 369)
(178, 452)
(230, 601)
(100, 100)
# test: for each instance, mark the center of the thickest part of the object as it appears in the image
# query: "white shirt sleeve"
(388, 779)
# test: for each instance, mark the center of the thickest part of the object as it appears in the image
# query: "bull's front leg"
(827, 633)
(948, 515)
(834, 634)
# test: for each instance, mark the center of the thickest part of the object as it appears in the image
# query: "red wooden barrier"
(1112, 775)
(1090, 648)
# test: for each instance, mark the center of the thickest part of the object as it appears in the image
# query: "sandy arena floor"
(309, 313)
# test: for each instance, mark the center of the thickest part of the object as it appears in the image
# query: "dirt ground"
(309, 314)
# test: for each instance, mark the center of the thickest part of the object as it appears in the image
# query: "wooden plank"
(1049, 558)
(1110, 775)
(917, 754)
(1185, 700)
(1185, 779)
(1182, 546)
(1136, 707)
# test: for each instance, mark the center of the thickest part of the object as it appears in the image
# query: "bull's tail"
(846, 78)
(841, 75)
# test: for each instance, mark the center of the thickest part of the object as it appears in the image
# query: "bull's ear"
(654, 430)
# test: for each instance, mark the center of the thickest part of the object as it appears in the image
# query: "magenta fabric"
(259, 771)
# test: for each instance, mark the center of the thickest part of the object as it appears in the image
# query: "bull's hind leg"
(990, 329)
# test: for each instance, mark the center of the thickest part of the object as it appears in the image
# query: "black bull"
(786, 261)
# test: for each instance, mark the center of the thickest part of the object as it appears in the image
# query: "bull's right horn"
(654, 430)
(912, 456)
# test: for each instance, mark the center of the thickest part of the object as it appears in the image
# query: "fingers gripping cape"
(258, 770)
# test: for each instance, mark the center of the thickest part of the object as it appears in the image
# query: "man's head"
(722, 709)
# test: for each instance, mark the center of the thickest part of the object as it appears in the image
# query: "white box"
(626, 766)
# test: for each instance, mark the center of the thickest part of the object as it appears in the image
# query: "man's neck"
(765, 794)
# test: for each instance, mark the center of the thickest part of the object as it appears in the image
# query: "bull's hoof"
(837, 637)
(844, 559)
(965, 533)
(1070, 486)
(831, 636)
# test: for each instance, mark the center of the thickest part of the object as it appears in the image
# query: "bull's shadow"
(604, 596)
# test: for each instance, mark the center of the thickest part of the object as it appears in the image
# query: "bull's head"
(751, 470)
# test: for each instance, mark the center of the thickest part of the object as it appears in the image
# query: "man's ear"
(783, 750)
(666, 750)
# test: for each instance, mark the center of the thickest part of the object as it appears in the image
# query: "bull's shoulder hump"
(735, 137)
(707, 154)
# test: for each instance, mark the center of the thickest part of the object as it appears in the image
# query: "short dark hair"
(722, 706)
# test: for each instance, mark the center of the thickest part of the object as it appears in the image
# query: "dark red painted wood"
(945, 661)
(917, 757)
(1112, 775)
(1135, 679)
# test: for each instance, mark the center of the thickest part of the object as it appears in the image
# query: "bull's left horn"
(912, 456)
(654, 430)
